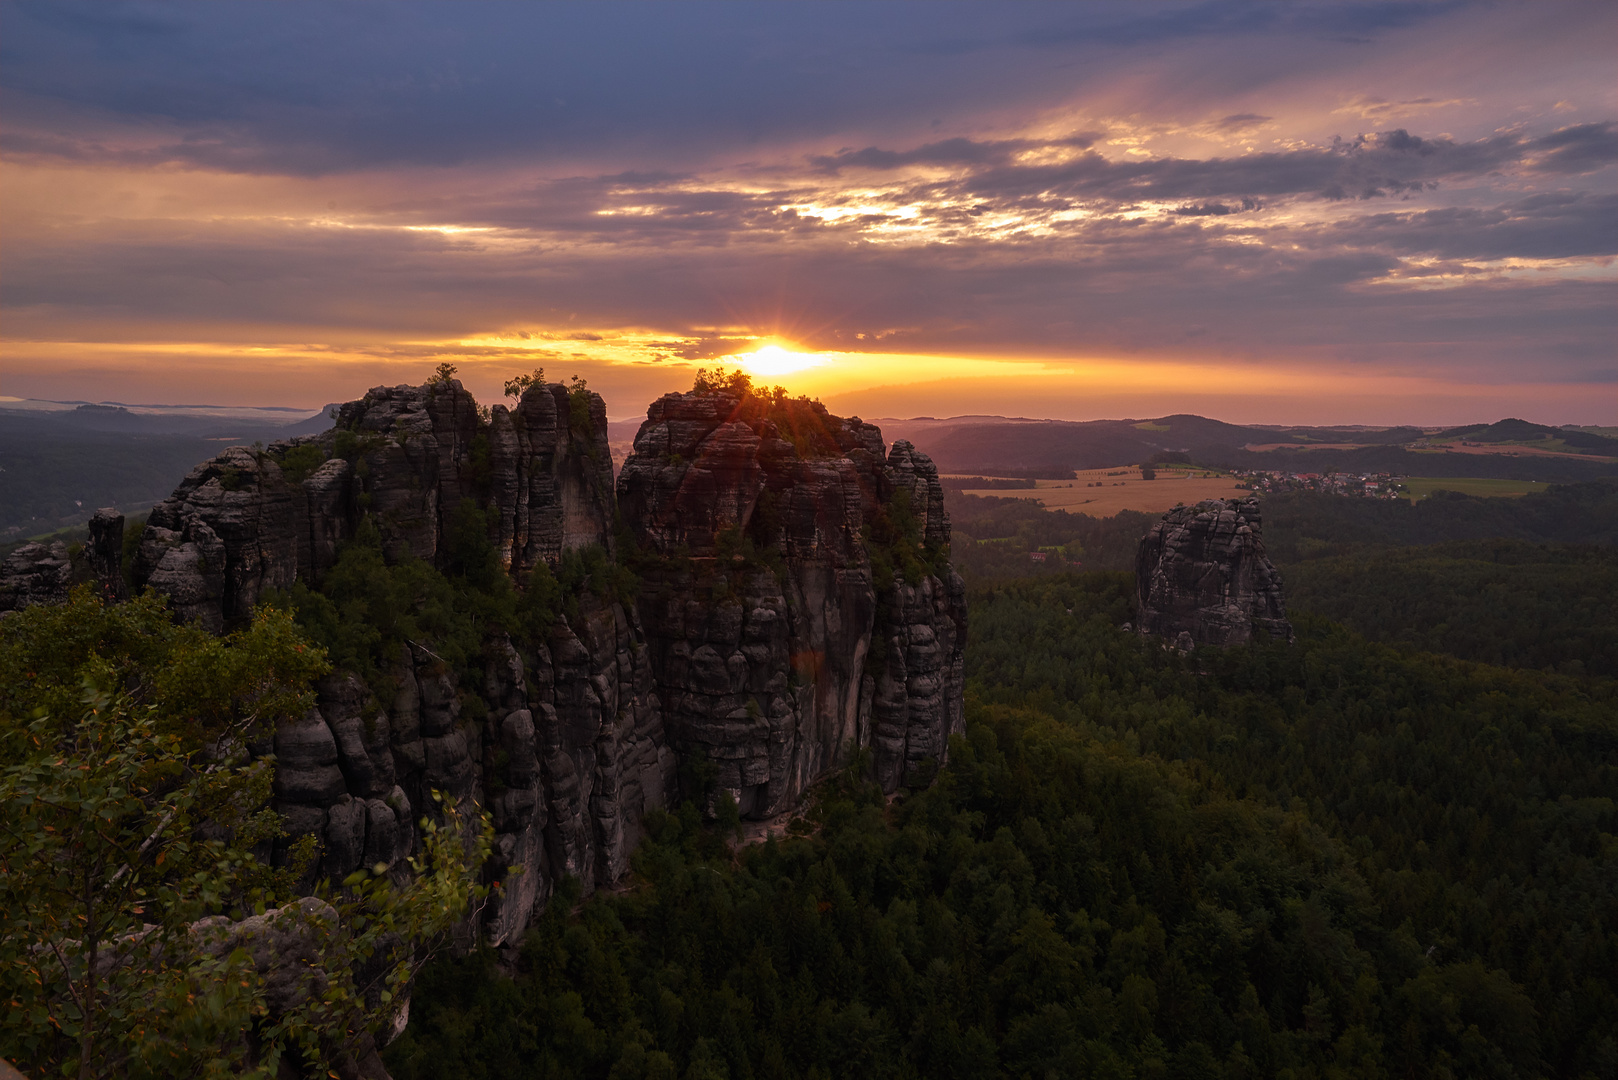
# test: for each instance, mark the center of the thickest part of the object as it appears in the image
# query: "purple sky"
(1361, 212)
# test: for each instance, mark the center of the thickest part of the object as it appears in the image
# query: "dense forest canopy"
(1387, 849)
(1338, 858)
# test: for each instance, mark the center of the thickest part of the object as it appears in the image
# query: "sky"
(1327, 213)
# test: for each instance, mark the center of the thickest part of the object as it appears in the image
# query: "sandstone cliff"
(1202, 578)
(565, 745)
(795, 606)
(782, 626)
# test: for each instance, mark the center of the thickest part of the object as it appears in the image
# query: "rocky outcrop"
(795, 605)
(1202, 578)
(779, 643)
(562, 740)
(35, 574)
(45, 573)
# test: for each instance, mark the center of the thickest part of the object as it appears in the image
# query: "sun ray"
(772, 360)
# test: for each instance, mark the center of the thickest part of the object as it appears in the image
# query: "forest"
(1385, 850)
(1336, 858)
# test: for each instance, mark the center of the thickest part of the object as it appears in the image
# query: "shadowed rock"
(35, 574)
(1202, 578)
(777, 650)
(795, 606)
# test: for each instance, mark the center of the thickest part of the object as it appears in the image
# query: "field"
(1123, 489)
(1420, 487)
(1551, 448)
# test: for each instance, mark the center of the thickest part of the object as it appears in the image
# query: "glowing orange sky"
(1047, 210)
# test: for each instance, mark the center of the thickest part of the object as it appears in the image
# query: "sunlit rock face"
(776, 650)
(795, 606)
(1202, 577)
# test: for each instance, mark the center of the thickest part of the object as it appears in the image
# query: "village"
(1362, 485)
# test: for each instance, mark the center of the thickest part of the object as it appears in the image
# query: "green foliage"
(739, 552)
(385, 933)
(203, 687)
(579, 422)
(515, 387)
(442, 374)
(366, 611)
(103, 872)
(894, 540)
(541, 603)
(1300, 525)
(592, 570)
(722, 380)
(1329, 859)
(133, 528)
(132, 810)
(991, 537)
(1473, 599)
(300, 461)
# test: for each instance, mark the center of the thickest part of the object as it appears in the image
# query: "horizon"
(1329, 214)
(301, 414)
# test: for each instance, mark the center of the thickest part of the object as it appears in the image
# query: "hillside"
(59, 467)
(1053, 448)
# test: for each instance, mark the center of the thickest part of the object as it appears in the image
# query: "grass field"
(1104, 492)
(1420, 487)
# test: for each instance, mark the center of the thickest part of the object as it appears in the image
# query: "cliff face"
(795, 605)
(1202, 578)
(565, 748)
(775, 645)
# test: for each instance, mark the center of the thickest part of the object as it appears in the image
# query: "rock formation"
(565, 746)
(44, 573)
(35, 574)
(1202, 578)
(777, 644)
(796, 605)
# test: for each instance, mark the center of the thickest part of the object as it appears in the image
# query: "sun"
(773, 360)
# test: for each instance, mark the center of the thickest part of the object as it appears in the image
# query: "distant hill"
(1521, 431)
(58, 467)
(321, 421)
(1049, 447)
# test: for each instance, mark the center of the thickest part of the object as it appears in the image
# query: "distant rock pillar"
(1202, 577)
(104, 554)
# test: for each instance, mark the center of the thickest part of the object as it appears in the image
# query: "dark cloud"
(1555, 226)
(313, 89)
(1578, 149)
(1240, 122)
(1369, 166)
(958, 151)
(672, 170)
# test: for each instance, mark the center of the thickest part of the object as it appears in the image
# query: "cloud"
(637, 183)
(1581, 148)
(1236, 122)
(1382, 110)
(957, 151)
(1552, 226)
